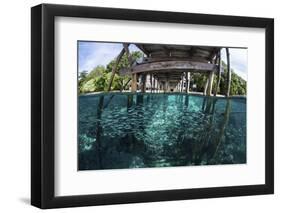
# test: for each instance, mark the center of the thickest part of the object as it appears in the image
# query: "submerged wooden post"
(219, 74)
(98, 130)
(228, 73)
(224, 123)
(115, 68)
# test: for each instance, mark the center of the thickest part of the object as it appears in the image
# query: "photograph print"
(146, 105)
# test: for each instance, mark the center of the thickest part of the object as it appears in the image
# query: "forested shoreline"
(97, 79)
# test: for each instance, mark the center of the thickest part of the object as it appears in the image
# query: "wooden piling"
(228, 73)
(187, 81)
(115, 68)
(143, 83)
(210, 83)
(219, 74)
(134, 83)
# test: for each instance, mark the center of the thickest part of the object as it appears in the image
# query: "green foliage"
(100, 82)
(124, 62)
(94, 81)
(98, 79)
(199, 80)
(238, 85)
(88, 86)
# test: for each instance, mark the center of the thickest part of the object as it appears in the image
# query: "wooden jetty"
(167, 68)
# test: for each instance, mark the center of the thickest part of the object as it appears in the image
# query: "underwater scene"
(145, 130)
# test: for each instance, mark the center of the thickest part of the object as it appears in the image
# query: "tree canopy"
(98, 79)
(238, 84)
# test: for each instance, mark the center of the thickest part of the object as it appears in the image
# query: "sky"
(238, 61)
(92, 54)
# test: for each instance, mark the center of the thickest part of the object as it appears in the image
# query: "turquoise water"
(123, 130)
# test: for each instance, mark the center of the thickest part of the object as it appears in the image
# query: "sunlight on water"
(122, 130)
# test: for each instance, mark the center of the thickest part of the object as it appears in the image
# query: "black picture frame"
(43, 102)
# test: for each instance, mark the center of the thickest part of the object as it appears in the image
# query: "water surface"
(123, 130)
